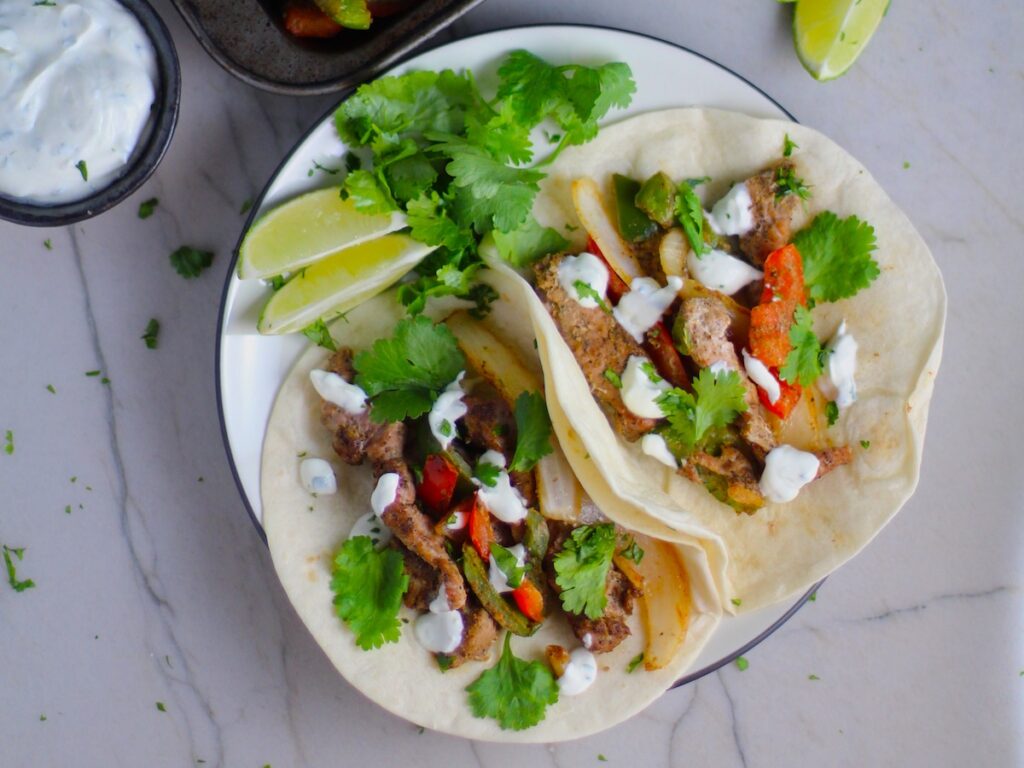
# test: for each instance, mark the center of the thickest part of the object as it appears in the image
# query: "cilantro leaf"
(146, 207)
(12, 574)
(514, 692)
(442, 273)
(635, 662)
(484, 471)
(149, 336)
(9, 442)
(631, 550)
(690, 213)
(83, 169)
(502, 134)
(189, 261)
(581, 569)
(368, 193)
(585, 291)
(533, 431)
(368, 586)
(837, 256)
(716, 401)
(404, 374)
(831, 412)
(788, 145)
(613, 377)
(317, 333)
(508, 564)
(529, 242)
(431, 224)
(788, 183)
(803, 363)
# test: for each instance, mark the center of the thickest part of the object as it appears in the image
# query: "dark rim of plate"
(156, 138)
(688, 678)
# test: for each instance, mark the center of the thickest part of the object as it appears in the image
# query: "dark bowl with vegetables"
(149, 150)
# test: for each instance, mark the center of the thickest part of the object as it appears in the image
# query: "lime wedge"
(339, 282)
(305, 229)
(830, 34)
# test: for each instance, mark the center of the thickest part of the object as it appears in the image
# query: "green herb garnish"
(151, 333)
(189, 262)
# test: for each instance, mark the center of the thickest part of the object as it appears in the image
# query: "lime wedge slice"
(830, 34)
(339, 282)
(305, 229)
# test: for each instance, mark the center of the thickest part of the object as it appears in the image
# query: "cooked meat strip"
(830, 458)
(491, 425)
(423, 579)
(351, 432)
(772, 215)
(734, 468)
(707, 327)
(597, 342)
(478, 635)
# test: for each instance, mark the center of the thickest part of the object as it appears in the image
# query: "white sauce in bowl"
(77, 83)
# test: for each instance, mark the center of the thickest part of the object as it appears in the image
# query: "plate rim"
(257, 200)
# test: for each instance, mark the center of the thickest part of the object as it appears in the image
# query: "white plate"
(250, 367)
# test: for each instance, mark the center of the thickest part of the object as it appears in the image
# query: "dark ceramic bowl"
(148, 152)
(247, 38)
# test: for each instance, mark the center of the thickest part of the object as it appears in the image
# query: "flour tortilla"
(898, 323)
(304, 532)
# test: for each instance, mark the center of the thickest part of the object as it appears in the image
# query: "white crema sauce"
(732, 215)
(721, 272)
(501, 500)
(639, 392)
(317, 476)
(497, 577)
(654, 445)
(440, 630)
(587, 269)
(580, 673)
(764, 378)
(447, 409)
(644, 304)
(334, 389)
(77, 83)
(837, 381)
(786, 471)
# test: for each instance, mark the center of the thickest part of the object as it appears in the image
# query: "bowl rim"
(146, 156)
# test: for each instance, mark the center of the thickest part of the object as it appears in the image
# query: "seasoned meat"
(597, 342)
(491, 425)
(604, 634)
(423, 579)
(351, 432)
(739, 485)
(831, 458)
(707, 334)
(478, 635)
(772, 215)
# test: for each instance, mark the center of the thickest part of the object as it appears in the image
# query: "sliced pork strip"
(491, 425)
(772, 215)
(478, 635)
(736, 469)
(830, 458)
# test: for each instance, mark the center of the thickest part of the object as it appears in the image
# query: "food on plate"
(327, 18)
(432, 534)
(77, 84)
(745, 324)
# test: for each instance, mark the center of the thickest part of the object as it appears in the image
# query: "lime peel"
(829, 35)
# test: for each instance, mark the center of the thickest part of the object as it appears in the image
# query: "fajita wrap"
(777, 549)
(306, 530)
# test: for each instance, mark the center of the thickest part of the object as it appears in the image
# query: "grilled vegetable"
(634, 224)
(503, 613)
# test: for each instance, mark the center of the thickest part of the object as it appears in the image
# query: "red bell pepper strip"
(788, 398)
(304, 20)
(438, 484)
(529, 600)
(784, 276)
(481, 533)
(769, 331)
(616, 285)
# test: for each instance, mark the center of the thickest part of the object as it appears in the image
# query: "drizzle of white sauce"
(331, 387)
(639, 393)
(384, 493)
(439, 630)
(837, 381)
(654, 445)
(586, 268)
(501, 500)
(760, 375)
(317, 477)
(721, 272)
(447, 409)
(644, 304)
(498, 578)
(732, 215)
(786, 471)
(580, 673)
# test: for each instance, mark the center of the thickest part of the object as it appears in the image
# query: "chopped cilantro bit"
(317, 333)
(104, 380)
(831, 412)
(529, 242)
(93, 373)
(585, 291)
(631, 550)
(650, 372)
(508, 565)
(45, 3)
(276, 283)
(602, 758)
(146, 207)
(189, 262)
(160, 706)
(48, 244)
(514, 692)
(533, 431)
(151, 333)
(788, 183)
(788, 145)
(67, 509)
(837, 256)
(804, 362)
(813, 677)
(906, 164)
(613, 377)
(696, 182)
(445, 428)
(246, 206)
(742, 663)
(9, 442)
(404, 374)
(486, 472)
(51, 389)
(690, 213)
(368, 586)
(12, 575)
(83, 169)
(865, 444)
(42, 718)
(368, 192)
(716, 400)
(813, 597)
(444, 662)
(737, 602)
(581, 569)
(635, 662)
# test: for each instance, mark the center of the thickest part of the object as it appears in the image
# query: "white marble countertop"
(156, 588)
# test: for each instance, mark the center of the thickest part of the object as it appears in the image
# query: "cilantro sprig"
(804, 362)
(533, 431)
(837, 256)
(581, 569)
(515, 692)
(319, 334)
(404, 374)
(18, 585)
(368, 586)
(717, 399)
(690, 213)
(508, 564)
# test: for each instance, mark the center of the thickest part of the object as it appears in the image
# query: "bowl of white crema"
(89, 95)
